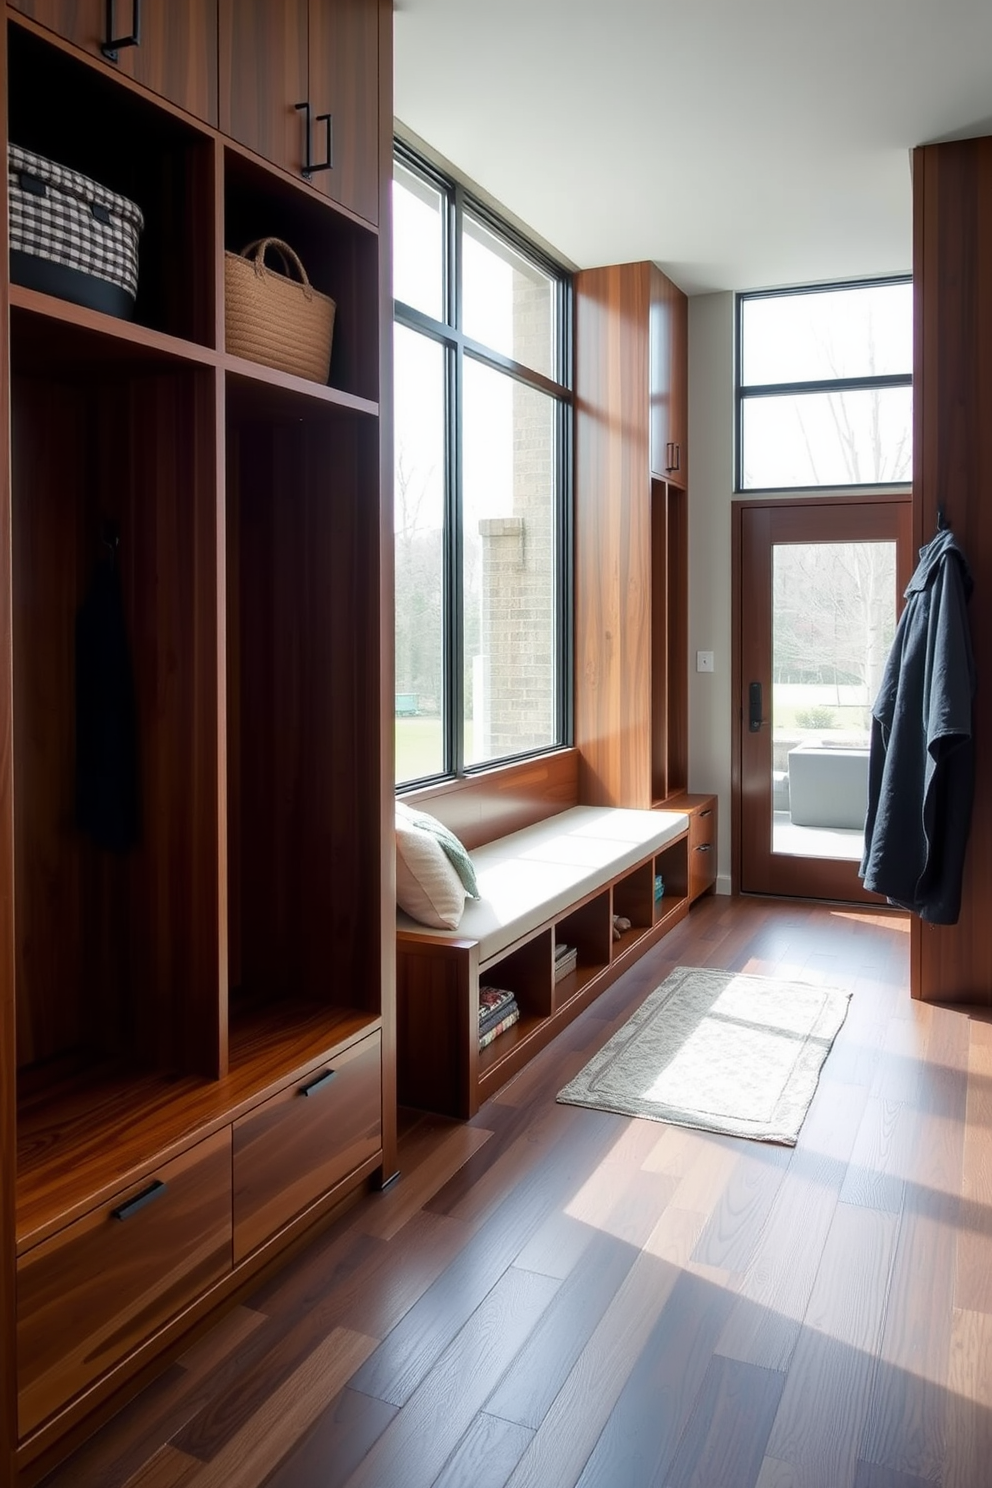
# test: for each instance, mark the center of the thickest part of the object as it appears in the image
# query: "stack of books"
(498, 1011)
(659, 887)
(566, 959)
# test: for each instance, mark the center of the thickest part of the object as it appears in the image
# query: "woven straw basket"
(271, 317)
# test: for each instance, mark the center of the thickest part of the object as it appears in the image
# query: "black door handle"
(754, 707)
(111, 47)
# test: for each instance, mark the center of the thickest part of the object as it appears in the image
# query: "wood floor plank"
(223, 1342)
(414, 1448)
(272, 1431)
(642, 1432)
(969, 1406)
(738, 1218)
(973, 1274)
(482, 1188)
(526, 1393)
(869, 1475)
(905, 1428)
(834, 1357)
(486, 1454)
(167, 1469)
(336, 1444)
(404, 1358)
(882, 1157)
(724, 1441)
(404, 1198)
(775, 1290)
(567, 1435)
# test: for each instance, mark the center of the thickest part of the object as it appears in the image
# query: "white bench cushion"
(538, 873)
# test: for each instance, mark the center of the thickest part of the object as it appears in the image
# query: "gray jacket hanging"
(921, 764)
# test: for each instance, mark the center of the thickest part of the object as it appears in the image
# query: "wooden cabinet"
(324, 56)
(702, 812)
(631, 530)
(176, 54)
(668, 392)
(100, 1287)
(298, 1144)
(165, 997)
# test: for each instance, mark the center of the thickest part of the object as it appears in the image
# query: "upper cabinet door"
(263, 76)
(669, 371)
(176, 53)
(344, 82)
(323, 54)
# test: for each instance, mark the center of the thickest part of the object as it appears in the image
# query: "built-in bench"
(563, 880)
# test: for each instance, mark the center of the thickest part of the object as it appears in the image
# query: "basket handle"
(256, 253)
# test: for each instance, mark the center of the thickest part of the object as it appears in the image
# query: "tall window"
(825, 393)
(483, 426)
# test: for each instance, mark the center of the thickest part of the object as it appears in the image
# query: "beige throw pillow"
(427, 885)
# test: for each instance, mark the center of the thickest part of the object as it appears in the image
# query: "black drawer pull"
(707, 812)
(319, 1083)
(153, 1191)
(705, 847)
(112, 45)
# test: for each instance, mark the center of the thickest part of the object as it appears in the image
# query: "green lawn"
(419, 747)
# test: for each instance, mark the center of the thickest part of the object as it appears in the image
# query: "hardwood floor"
(552, 1296)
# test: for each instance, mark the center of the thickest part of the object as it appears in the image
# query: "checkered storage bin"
(70, 236)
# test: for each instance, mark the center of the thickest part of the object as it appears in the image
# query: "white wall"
(711, 490)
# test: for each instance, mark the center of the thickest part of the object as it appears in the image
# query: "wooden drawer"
(702, 848)
(90, 1294)
(294, 1148)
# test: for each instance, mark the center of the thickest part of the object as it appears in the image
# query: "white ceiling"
(739, 143)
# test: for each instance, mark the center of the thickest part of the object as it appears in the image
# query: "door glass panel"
(833, 620)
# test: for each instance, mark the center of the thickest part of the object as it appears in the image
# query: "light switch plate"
(704, 661)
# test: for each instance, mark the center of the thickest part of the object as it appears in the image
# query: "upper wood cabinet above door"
(669, 341)
(324, 54)
(176, 54)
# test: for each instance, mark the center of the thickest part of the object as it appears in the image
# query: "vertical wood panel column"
(613, 536)
(631, 599)
(387, 763)
(952, 188)
(8, 1098)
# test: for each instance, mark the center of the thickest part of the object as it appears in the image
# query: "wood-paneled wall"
(631, 663)
(952, 189)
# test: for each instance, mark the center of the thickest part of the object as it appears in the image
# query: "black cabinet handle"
(705, 847)
(754, 707)
(319, 1083)
(673, 454)
(112, 45)
(707, 812)
(311, 166)
(153, 1191)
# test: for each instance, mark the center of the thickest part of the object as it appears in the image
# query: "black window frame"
(458, 202)
(744, 392)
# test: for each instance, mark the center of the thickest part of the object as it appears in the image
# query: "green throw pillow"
(454, 850)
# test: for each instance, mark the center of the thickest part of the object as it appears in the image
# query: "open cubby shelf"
(175, 991)
(440, 1065)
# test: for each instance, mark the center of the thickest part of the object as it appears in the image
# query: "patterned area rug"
(719, 1051)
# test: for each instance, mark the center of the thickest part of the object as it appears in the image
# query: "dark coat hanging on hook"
(921, 762)
(106, 727)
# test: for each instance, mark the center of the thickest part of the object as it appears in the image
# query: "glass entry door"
(820, 591)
